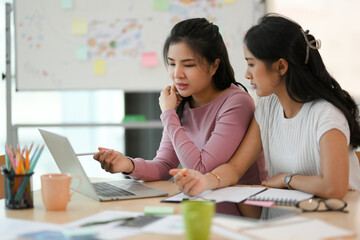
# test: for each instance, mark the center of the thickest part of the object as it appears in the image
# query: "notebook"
(230, 194)
(281, 196)
(250, 194)
(67, 161)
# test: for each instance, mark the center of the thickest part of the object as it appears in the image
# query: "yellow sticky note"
(149, 59)
(229, 1)
(79, 26)
(99, 67)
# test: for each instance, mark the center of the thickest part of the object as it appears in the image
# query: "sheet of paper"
(234, 223)
(9, 230)
(181, 196)
(229, 234)
(172, 224)
(106, 231)
(240, 224)
(314, 229)
(231, 194)
(101, 216)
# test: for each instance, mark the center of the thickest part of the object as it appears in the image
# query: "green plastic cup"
(197, 218)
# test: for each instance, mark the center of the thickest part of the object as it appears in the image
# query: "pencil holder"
(18, 194)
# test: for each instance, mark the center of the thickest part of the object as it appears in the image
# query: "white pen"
(85, 154)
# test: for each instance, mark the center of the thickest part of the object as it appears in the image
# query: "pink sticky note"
(149, 59)
(260, 203)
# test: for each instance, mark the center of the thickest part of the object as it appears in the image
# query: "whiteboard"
(114, 44)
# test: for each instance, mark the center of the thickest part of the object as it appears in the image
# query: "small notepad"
(281, 196)
(158, 211)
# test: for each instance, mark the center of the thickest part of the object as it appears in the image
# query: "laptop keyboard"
(107, 190)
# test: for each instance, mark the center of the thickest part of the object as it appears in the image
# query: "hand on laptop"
(113, 161)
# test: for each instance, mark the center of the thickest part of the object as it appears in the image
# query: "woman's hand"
(276, 181)
(113, 161)
(169, 98)
(190, 182)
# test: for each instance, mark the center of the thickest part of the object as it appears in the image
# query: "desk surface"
(82, 206)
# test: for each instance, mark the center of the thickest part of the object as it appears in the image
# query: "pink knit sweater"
(208, 137)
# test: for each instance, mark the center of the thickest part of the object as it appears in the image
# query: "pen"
(85, 154)
(107, 221)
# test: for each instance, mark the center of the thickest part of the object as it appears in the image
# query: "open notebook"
(239, 194)
(281, 196)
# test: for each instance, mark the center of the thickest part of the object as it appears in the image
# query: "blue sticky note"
(66, 4)
(81, 52)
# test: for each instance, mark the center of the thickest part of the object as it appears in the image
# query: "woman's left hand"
(276, 181)
(169, 98)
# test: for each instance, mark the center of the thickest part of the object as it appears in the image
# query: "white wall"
(336, 24)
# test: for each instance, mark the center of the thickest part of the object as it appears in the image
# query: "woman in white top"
(304, 122)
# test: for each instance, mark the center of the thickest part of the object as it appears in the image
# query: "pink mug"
(55, 190)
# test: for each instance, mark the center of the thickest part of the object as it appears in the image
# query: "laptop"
(67, 161)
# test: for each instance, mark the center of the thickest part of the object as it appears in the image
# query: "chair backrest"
(358, 155)
(2, 162)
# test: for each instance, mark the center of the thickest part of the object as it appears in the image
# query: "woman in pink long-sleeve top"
(204, 113)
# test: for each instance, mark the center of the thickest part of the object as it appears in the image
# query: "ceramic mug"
(55, 190)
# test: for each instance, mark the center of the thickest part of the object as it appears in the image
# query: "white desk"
(81, 206)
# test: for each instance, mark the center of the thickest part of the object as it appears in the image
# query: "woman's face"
(191, 75)
(265, 81)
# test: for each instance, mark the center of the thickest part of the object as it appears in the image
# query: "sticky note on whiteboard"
(79, 26)
(99, 67)
(66, 4)
(149, 59)
(81, 52)
(161, 5)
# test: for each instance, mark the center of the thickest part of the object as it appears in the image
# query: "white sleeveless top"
(292, 145)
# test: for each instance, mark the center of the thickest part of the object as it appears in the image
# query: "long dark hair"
(276, 37)
(204, 39)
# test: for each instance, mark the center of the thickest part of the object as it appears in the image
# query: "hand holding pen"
(113, 161)
(189, 181)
